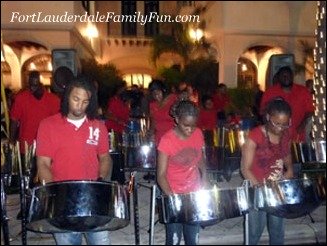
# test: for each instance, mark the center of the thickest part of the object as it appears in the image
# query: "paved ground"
(228, 232)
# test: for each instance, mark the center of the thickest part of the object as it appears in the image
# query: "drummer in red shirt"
(73, 145)
(266, 156)
(208, 115)
(181, 168)
(29, 108)
(297, 96)
(160, 106)
(221, 101)
(118, 110)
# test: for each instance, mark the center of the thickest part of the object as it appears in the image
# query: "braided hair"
(184, 108)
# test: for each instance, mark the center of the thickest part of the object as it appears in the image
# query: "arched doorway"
(246, 74)
(40, 63)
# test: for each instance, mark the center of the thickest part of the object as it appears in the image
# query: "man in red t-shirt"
(297, 96)
(208, 115)
(73, 145)
(118, 111)
(29, 108)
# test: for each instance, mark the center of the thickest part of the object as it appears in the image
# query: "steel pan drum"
(206, 207)
(143, 156)
(78, 206)
(289, 199)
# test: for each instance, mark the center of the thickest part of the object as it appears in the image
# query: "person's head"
(278, 115)
(186, 115)
(158, 90)
(34, 83)
(207, 102)
(285, 77)
(80, 99)
(222, 88)
(61, 79)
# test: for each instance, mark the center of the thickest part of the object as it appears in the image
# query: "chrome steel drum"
(302, 152)
(320, 150)
(78, 206)
(206, 207)
(289, 199)
(143, 156)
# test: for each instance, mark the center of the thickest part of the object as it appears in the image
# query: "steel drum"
(205, 207)
(81, 206)
(320, 150)
(143, 156)
(289, 199)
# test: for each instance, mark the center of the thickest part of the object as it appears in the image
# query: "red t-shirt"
(300, 100)
(160, 115)
(121, 111)
(207, 119)
(73, 151)
(268, 157)
(29, 111)
(221, 101)
(184, 156)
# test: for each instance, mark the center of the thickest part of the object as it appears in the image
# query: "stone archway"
(256, 59)
(41, 63)
(247, 73)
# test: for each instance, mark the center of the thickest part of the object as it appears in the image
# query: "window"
(128, 9)
(151, 28)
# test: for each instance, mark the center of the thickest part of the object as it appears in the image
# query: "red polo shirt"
(300, 100)
(73, 151)
(29, 111)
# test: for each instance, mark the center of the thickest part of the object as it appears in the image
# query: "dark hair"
(285, 69)
(81, 82)
(278, 105)
(184, 108)
(157, 84)
(61, 79)
(205, 98)
(33, 74)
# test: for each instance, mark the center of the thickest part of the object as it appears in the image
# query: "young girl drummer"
(180, 167)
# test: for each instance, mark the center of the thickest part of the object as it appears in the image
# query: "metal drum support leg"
(152, 214)
(246, 223)
(136, 215)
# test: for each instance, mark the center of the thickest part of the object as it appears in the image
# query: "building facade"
(242, 36)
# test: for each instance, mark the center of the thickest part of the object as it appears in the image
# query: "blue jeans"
(257, 223)
(174, 234)
(75, 238)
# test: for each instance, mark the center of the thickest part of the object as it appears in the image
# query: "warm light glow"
(196, 34)
(92, 31)
(141, 80)
(244, 67)
(32, 66)
(49, 66)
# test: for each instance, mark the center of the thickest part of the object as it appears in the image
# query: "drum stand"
(4, 218)
(246, 184)
(136, 212)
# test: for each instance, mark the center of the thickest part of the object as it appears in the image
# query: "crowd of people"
(72, 140)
